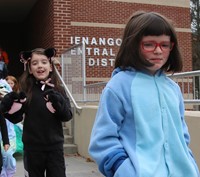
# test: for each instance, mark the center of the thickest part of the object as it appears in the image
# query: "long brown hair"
(143, 24)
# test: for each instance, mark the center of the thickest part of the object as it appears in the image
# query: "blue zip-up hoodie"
(139, 130)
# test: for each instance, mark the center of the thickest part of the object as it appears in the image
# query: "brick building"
(99, 23)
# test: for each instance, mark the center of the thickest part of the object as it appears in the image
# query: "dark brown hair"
(27, 80)
(143, 24)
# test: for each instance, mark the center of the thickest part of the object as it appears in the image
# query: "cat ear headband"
(25, 56)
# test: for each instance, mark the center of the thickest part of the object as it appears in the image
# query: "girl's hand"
(54, 100)
(12, 102)
(58, 104)
(6, 147)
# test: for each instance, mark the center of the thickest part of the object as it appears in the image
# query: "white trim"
(174, 3)
(110, 25)
(101, 25)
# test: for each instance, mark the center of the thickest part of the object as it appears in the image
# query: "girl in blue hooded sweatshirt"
(139, 130)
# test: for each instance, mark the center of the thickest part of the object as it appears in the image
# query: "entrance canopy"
(15, 11)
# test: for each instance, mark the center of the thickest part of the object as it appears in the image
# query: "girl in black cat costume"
(45, 106)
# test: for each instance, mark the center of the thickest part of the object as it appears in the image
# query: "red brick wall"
(50, 25)
(186, 49)
(117, 13)
(62, 20)
(40, 25)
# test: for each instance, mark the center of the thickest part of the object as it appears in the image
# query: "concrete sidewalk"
(76, 167)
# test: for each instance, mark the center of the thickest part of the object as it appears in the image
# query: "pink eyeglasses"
(150, 46)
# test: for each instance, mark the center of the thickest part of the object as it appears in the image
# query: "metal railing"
(78, 108)
(189, 83)
(73, 78)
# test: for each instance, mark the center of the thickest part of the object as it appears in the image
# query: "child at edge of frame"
(43, 105)
(18, 128)
(5, 139)
(9, 162)
(144, 133)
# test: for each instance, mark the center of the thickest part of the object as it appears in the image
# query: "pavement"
(76, 166)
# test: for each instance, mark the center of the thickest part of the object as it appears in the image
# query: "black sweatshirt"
(42, 130)
(4, 131)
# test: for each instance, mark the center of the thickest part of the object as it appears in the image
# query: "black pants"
(39, 163)
(1, 161)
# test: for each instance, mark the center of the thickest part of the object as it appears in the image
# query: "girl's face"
(40, 67)
(11, 83)
(156, 50)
